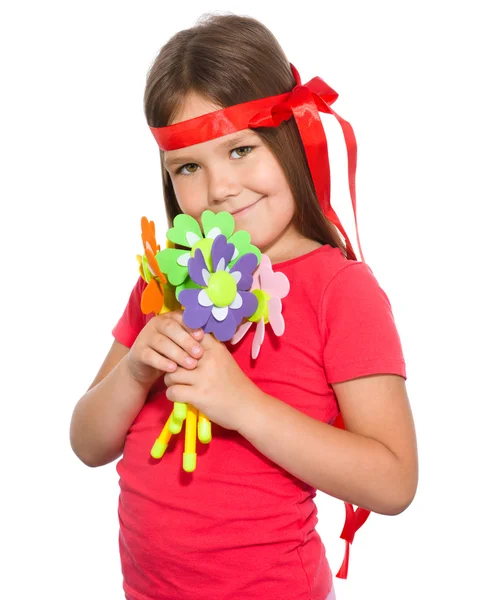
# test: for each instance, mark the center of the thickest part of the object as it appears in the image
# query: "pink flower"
(269, 287)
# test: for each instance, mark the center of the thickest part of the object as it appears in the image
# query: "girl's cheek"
(192, 206)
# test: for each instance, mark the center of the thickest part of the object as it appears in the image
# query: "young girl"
(243, 524)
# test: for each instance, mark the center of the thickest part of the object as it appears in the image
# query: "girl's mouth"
(246, 209)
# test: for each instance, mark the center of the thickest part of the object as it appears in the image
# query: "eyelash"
(179, 169)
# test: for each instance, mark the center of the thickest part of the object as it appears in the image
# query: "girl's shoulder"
(317, 267)
(324, 277)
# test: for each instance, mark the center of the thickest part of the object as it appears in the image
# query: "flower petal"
(152, 298)
(223, 330)
(221, 220)
(220, 312)
(212, 235)
(183, 259)
(196, 268)
(194, 315)
(206, 275)
(237, 276)
(204, 299)
(237, 302)
(242, 241)
(248, 307)
(168, 263)
(187, 284)
(275, 316)
(266, 262)
(183, 225)
(241, 332)
(275, 284)
(258, 338)
(246, 265)
(189, 296)
(192, 238)
(221, 249)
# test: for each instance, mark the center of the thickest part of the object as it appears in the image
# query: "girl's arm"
(373, 464)
(102, 417)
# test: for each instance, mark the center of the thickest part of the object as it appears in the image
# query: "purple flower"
(224, 298)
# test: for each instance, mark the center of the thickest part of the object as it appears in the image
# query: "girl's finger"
(157, 361)
(166, 347)
(178, 393)
(173, 330)
(178, 316)
(179, 377)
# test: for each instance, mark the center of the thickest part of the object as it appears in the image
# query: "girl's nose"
(223, 183)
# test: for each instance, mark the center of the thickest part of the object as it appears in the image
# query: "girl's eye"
(180, 169)
(242, 148)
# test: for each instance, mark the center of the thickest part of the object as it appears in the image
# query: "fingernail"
(189, 361)
(197, 333)
(196, 350)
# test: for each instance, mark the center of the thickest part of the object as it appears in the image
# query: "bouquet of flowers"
(225, 285)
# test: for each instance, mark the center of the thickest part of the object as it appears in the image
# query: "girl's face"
(236, 173)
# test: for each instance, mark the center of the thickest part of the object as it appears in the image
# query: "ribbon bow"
(305, 102)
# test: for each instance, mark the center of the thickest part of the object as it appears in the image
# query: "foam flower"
(223, 298)
(269, 288)
(186, 232)
(158, 296)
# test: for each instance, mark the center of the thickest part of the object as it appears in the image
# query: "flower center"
(222, 289)
(262, 307)
(205, 245)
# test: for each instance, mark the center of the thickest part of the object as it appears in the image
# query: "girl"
(242, 525)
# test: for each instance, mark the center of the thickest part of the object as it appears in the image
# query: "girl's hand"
(217, 386)
(164, 343)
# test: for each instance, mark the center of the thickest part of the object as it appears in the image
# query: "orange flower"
(152, 299)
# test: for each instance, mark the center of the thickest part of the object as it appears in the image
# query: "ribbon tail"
(333, 218)
(315, 145)
(351, 144)
(353, 521)
(314, 140)
(344, 569)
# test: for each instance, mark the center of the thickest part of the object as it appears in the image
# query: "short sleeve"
(360, 336)
(132, 320)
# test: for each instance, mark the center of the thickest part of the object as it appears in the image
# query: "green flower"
(186, 232)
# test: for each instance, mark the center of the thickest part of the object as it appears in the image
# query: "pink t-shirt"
(240, 526)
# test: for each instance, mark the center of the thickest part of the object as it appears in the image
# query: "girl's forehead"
(193, 106)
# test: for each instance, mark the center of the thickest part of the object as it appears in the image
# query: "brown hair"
(229, 59)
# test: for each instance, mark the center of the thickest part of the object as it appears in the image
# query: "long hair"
(230, 59)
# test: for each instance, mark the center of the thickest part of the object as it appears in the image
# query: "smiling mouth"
(246, 208)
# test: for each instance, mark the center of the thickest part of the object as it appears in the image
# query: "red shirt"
(240, 526)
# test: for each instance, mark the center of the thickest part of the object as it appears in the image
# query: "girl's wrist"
(253, 412)
(135, 386)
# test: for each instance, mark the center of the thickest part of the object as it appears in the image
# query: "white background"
(80, 167)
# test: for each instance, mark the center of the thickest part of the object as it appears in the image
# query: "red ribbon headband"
(304, 102)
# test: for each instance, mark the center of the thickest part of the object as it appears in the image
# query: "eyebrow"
(185, 159)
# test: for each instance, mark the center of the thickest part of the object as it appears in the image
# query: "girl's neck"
(290, 245)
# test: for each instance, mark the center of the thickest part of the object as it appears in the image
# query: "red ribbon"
(304, 102)
(354, 519)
